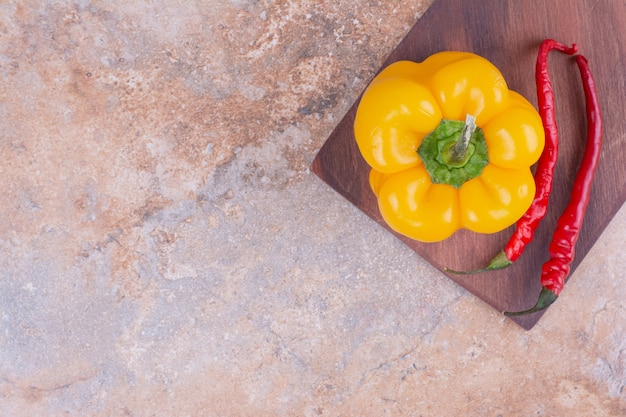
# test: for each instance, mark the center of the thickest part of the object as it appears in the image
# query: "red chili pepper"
(526, 225)
(562, 248)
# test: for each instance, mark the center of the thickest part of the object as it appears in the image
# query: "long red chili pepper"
(562, 248)
(526, 225)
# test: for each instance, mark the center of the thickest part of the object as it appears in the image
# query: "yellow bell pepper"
(450, 146)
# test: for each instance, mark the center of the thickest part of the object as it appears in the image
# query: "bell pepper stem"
(455, 152)
(459, 151)
(546, 297)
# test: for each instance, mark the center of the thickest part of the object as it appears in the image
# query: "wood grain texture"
(508, 33)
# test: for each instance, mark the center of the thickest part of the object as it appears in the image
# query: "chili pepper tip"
(546, 297)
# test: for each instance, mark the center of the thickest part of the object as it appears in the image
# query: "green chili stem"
(459, 151)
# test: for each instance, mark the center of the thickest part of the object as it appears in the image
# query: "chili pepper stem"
(546, 298)
(500, 261)
(459, 150)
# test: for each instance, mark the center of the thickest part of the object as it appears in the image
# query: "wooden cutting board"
(508, 33)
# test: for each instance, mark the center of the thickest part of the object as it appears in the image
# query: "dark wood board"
(508, 33)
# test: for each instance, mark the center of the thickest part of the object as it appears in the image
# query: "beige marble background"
(165, 251)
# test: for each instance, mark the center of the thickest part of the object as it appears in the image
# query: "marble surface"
(165, 250)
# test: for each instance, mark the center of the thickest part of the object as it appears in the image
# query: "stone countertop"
(165, 250)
